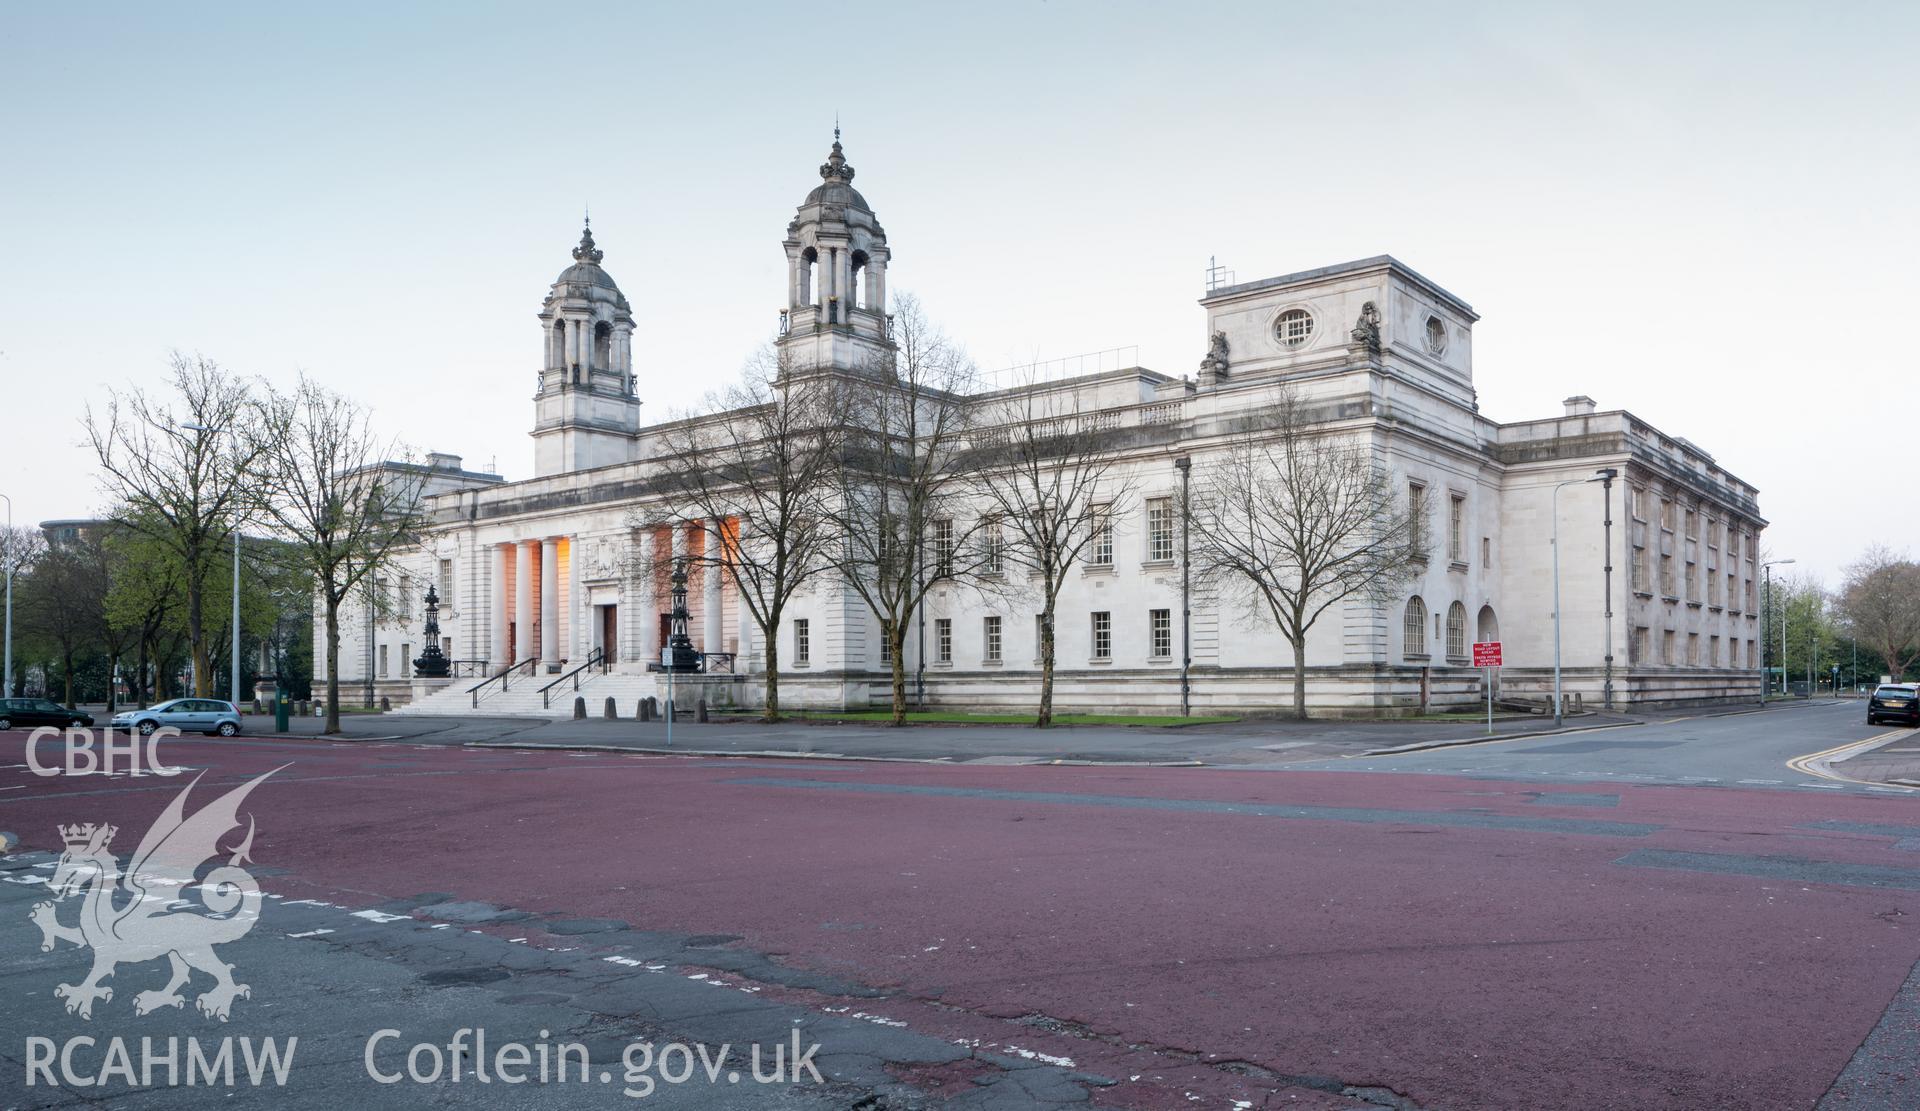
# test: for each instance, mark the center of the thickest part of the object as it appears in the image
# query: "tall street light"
(1766, 680)
(233, 684)
(6, 677)
(1601, 476)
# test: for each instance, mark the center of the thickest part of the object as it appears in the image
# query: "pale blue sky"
(1701, 212)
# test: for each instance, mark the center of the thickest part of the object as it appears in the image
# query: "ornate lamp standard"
(432, 663)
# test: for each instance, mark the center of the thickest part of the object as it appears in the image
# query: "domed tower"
(836, 316)
(587, 410)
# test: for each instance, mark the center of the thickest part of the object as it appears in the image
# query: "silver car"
(188, 715)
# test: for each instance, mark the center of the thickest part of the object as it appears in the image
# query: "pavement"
(1610, 918)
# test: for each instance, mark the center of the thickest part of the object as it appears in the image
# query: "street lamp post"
(233, 683)
(1607, 475)
(1766, 678)
(1602, 476)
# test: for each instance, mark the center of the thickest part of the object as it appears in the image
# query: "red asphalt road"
(1461, 967)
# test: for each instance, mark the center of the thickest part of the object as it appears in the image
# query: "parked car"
(28, 712)
(1898, 702)
(188, 715)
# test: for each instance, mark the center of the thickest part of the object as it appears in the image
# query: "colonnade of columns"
(570, 343)
(532, 615)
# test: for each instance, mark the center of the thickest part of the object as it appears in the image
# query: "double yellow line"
(1814, 763)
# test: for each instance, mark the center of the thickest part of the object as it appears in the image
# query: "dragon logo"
(140, 914)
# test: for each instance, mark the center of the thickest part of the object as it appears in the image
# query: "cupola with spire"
(837, 274)
(587, 408)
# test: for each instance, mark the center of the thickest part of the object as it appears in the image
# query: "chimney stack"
(1579, 405)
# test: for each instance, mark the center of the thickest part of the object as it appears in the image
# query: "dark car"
(1899, 702)
(29, 712)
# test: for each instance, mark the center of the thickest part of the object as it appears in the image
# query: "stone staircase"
(522, 698)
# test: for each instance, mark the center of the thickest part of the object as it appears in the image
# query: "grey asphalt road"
(1738, 749)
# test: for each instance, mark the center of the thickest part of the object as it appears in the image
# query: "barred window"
(1160, 529)
(1638, 566)
(1456, 530)
(1456, 630)
(995, 544)
(1417, 519)
(802, 643)
(1415, 627)
(1102, 635)
(990, 630)
(886, 642)
(1294, 327)
(1160, 633)
(446, 582)
(943, 640)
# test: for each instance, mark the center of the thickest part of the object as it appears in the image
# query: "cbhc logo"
(83, 757)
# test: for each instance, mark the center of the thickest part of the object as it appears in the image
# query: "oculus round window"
(1436, 335)
(1294, 327)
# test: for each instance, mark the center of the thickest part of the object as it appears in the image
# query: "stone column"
(877, 285)
(645, 608)
(522, 599)
(549, 605)
(710, 596)
(577, 645)
(497, 611)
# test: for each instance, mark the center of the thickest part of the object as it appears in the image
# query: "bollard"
(579, 707)
(643, 711)
(610, 712)
(700, 710)
(385, 704)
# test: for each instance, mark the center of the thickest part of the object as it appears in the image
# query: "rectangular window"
(990, 637)
(1666, 647)
(1693, 649)
(1100, 551)
(406, 661)
(802, 643)
(1039, 636)
(383, 661)
(943, 640)
(1753, 654)
(1160, 529)
(1733, 545)
(1638, 567)
(1637, 648)
(1102, 635)
(1666, 514)
(886, 642)
(1417, 519)
(1636, 503)
(943, 549)
(994, 542)
(1666, 576)
(1713, 651)
(1693, 581)
(1457, 529)
(1486, 551)
(1160, 633)
(446, 582)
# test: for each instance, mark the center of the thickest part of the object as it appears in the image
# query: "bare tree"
(756, 469)
(64, 598)
(1301, 516)
(1049, 479)
(185, 476)
(340, 499)
(903, 484)
(1880, 602)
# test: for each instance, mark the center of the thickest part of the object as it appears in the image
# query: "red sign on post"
(1486, 653)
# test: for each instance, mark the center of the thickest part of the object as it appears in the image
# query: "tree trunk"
(1300, 678)
(333, 666)
(1047, 640)
(772, 712)
(197, 645)
(897, 643)
(66, 666)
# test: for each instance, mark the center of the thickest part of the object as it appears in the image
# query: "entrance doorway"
(666, 628)
(609, 633)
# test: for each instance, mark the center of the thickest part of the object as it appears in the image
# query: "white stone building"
(542, 570)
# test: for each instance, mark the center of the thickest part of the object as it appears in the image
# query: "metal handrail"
(595, 657)
(499, 677)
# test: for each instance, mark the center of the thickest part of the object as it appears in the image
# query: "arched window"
(809, 274)
(1416, 627)
(1456, 630)
(603, 346)
(1489, 626)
